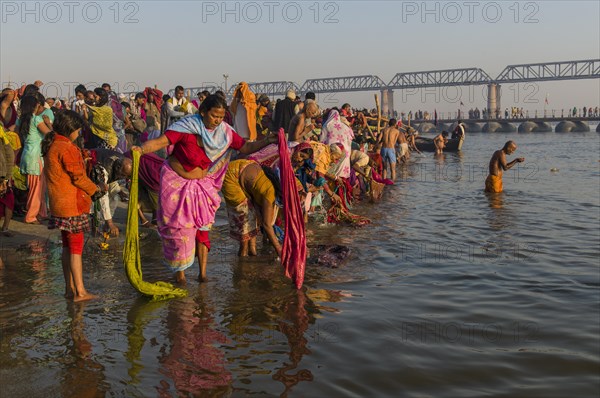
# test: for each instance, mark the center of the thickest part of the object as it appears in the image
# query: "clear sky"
(138, 43)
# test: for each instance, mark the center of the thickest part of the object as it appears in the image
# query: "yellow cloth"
(102, 124)
(15, 141)
(234, 193)
(493, 184)
(262, 111)
(19, 180)
(321, 156)
(131, 251)
(186, 107)
(3, 136)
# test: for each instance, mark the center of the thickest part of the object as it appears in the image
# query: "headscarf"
(102, 124)
(157, 96)
(302, 146)
(304, 172)
(215, 142)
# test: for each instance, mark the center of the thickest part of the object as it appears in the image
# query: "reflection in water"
(498, 308)
(293, 326)
(84, 376)
(261, 304)
(140, 314)
(195, 363)
(500, 216)
(496, 200)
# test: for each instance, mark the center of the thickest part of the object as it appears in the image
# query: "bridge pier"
(384, 103)
(387, 103)
(498, 100)
(493, 101)
(473, 127)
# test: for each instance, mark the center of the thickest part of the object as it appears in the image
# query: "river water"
(447, 293)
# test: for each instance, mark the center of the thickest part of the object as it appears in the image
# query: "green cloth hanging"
(131, 251)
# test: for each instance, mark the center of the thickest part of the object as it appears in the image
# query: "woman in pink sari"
(335, 131)
(191, 179)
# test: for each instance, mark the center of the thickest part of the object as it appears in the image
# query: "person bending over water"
(493, 182)
(191, 180)
(251, 193)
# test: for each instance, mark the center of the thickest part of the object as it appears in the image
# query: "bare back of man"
(297, 120)
(301, 124)
(389, 138)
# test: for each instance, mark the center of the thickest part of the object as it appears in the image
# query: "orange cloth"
(69, 188)
(249, 100)
(493, 184)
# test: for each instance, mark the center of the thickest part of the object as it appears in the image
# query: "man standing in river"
(493, 182)
(389, 137)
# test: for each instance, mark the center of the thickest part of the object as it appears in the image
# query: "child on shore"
(69, 191)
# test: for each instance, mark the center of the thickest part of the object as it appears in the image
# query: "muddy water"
(447, 293)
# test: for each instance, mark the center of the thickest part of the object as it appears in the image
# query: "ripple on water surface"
(448, 292)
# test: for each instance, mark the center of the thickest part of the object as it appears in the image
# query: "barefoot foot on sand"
(202, 278)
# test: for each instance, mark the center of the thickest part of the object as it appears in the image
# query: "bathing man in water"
(493, 182)
(389, 138)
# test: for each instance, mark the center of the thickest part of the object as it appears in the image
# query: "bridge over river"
(523, 125)
(523, 73)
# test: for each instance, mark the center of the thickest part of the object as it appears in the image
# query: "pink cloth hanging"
(293, 256)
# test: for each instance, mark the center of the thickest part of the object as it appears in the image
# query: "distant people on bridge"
(474, 113)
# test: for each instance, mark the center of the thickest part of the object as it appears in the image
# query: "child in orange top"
(69, 191)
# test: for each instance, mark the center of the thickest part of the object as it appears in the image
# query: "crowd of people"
(67, 164)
